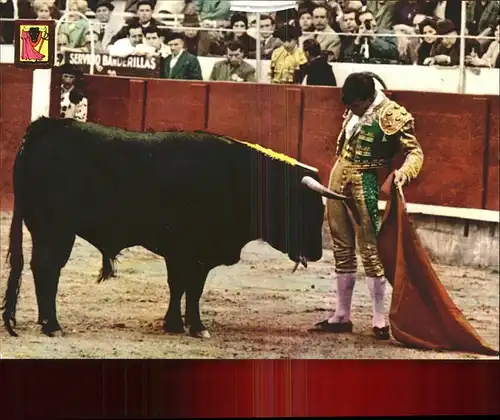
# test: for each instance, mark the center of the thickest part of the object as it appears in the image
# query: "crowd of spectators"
(300, 43)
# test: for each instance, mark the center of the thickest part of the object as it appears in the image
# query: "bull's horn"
(316, 186)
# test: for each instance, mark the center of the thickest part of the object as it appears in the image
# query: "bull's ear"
(321, 189)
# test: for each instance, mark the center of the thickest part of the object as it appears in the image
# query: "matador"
(374, 131)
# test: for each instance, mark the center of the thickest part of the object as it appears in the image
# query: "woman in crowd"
(427, 28)
(445, 51)
(45, 9)
(239, 23)
(306, 25)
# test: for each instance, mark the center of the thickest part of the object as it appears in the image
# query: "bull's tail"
(14, 256)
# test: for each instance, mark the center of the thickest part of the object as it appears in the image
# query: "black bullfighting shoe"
(338, 327)
(381, 333)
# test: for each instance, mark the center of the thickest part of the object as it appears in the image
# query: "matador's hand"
(400, 178)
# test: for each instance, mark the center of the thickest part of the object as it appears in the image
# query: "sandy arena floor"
(255, 309)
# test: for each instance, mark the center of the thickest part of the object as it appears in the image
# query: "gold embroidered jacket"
(379, 136)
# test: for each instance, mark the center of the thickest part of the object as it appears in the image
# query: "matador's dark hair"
(358, 87)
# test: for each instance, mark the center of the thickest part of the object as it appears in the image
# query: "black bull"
(194, 198)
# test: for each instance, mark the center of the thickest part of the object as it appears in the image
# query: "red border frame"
(199, 388)
(17, 44)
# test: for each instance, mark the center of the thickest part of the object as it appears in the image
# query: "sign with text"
(133, 66)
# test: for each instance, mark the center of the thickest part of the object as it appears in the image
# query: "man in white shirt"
(132, 44)
(154, 39)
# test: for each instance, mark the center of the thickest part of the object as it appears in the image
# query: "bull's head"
(289, 208)
(310, 220)
(306, 212)
(33, 32)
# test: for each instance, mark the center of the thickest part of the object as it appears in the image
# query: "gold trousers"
(360, 223)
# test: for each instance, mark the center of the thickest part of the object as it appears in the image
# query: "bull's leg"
(49, 256)
(194, 291)
(172, 322)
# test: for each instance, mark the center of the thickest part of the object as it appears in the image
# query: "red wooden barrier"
(492, 158)
(452, 131)
(264, 114)
(174, 104)
(15, 115)
(322, 119)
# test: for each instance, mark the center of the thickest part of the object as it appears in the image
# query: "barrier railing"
(176, 22)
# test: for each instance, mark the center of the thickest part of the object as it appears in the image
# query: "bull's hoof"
(9, 323)
(173, 328)
(199, 334)
(57, 334)
(51, 330)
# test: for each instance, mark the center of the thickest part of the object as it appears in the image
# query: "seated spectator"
(25, 9)
(98, 48)
(328, 39)
(491, 58)
(105, 24)
(180, 64)
(287, 59)
(155, 39)
(306, 26)
(175, 7)
(269, 42)
(131, 45)
(213, 13)
(75, 26)
(446, 51)
(442, 10)
(62, 42)
(427, 28)
(200, 43)
(383, 11)
(45, 9)
(286, 17)
(349, 25)
(369, 47)
(239, 23)
(132, 5)
(6, 26)
(332, 8)
(189, 8)
(481, 18)
(144, 18)
(356, 5)
(317, 70)
(103, 14)
(430, 8)
(405, 11)
(407, 40)
(234, 68)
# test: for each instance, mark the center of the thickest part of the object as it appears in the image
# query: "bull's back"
(109, 178)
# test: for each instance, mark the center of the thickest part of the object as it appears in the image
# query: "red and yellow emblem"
(34, 46)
